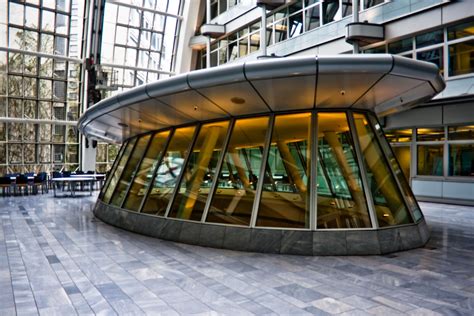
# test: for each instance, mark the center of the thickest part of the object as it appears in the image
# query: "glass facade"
(139, 47)
(258, 171)
(450, 48)
(42, 70)
(40, 80)
(283, 23)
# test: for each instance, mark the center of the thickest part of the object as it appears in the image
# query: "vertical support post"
(263, 30)
(313, 182)
(208, 42)
(355, 19)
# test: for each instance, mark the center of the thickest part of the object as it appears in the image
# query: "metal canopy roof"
(382, 83)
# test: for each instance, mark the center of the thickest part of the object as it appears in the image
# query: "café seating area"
(30, 183)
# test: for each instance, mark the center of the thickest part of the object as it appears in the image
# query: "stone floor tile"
(54, 255)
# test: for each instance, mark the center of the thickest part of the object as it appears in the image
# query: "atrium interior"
(236, 157)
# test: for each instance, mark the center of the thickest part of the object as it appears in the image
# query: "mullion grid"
(38, 31)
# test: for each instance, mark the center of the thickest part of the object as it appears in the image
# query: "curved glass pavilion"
(281, 155)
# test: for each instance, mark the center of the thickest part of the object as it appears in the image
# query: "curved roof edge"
(383, 83)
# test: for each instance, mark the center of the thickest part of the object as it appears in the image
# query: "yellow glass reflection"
(389, 205)
(399, 136)
(341, 200)
(233, 200)
(145, 171)
(168, 171)
(199, 172)
(118, 171)
(284, 201)
(129, 170)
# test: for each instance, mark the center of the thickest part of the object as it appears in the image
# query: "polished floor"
(57, 259)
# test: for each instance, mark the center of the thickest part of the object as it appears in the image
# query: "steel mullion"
(261, 180)
(155, 171)
(313, 178)
(183, 169)
(137, 168)
(362, 170)
(218, 170)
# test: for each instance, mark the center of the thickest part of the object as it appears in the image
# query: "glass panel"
(430, 160)
(145, 171)
(430, 134)
(461, 132)
(461, 30)
(399, 135)
(430, 38)
(129, 170)
(461, 160)
(375, 50)
(403, 155)
(168, 171)
(312, 18)
(401, 169)
(371, 3)
(388, 201)
(460, 58)
(434, 56)
(233, 200)
(341, 200)
(285, 198)
(199, 173)
(400, 46)
(331, 11)
(115, 176)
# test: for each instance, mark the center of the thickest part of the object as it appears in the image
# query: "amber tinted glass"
(284, 201)
(145, 171)
(129, 171)
(400, 167)
(399, 136)
(430, 160)
(112, 170)
(118, 171)
(341, 200)
(234, 197)
(199, 172)
(168, 171)
(389, 205)
(430, 134)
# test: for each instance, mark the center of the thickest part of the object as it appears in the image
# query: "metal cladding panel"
(97, 110)
(343, 90)
(385, 83)
(213, 77)
(236, 99)
(389, 89)
(168, 86)
(340, 64)
(132, 96)
(284, 84)
(192, 104)
(408, 67)
(105, 127)
(287, 93)
(406, 100)
(280, 67)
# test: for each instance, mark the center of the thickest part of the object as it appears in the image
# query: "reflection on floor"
(55, 258)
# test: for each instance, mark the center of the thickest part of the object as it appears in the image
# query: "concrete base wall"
(295, 242)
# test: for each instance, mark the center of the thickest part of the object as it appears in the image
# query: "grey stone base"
(297, 242)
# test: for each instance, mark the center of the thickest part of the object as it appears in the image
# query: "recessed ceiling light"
(237, 100)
